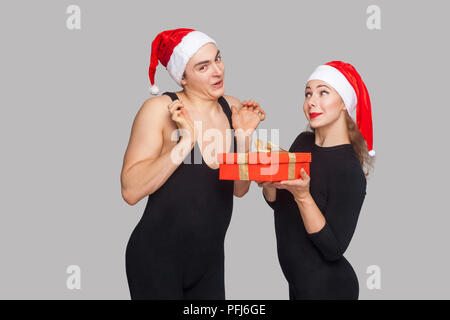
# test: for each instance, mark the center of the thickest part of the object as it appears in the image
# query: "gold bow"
(268, 148)
(243, 164)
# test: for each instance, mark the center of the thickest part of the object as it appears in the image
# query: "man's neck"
(201, 103)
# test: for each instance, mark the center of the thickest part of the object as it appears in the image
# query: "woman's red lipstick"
(312, 115)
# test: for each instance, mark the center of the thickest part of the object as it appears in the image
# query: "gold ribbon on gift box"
(243, 163)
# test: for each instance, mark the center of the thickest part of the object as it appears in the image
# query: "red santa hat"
(344, 78)
(174, 48)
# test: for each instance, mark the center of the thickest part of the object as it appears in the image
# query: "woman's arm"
(313, 218)
(330, 235)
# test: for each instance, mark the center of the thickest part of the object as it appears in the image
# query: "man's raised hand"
(180, 116)
(247, 117)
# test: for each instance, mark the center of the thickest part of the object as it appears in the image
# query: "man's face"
(205, 72)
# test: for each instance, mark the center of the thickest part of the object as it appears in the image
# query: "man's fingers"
(175, 116)
(256, 108)
(176, 113)
(179, 110)
(263, 114)
(185, 112)
(175, 105)
(259, 109)
(250, 103)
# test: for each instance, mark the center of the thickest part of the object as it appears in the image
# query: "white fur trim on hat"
(339, 82)
(184, 51)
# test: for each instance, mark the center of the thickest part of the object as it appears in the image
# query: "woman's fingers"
(304, 174)
(278, 185)
(264, 183)
(293, 183)
(297, 183)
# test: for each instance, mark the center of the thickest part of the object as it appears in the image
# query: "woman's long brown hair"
(359, 145)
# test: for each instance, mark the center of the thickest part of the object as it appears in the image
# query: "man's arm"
(243, 145)
(145, 169)
(241, 187)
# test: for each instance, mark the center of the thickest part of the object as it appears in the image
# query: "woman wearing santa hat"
(316, 215)
(176, 251)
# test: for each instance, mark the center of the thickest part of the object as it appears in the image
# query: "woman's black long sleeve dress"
(313, 264)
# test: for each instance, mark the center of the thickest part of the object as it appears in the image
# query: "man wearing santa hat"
(176, 250)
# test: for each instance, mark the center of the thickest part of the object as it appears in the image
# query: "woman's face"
(323, 105)
(205, 72)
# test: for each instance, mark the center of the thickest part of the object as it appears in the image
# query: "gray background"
(69, 98)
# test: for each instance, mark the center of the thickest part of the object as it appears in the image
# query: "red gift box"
(263, 166)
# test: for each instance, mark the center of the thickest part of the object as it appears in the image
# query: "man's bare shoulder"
(232, 101)
(153, 113)
(156, 104)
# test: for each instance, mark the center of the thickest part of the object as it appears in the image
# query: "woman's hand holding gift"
(299, 187)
